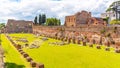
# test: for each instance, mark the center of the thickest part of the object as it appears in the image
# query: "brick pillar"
(100, 42)
(69, 40)
(108, 44)
(98, 47)
(90, 45)
(40, 66)
(65, 39)
(73, 40)
(93, 41)
(78, 41)
(84, 42)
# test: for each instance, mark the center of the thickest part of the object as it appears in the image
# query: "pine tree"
(40, 19)
(43, 18)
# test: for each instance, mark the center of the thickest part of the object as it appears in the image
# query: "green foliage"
(110, 7)
(35, 20)
(106, 19)
(2, 25)
(53, 22)
(115, 22)
(40, 19)
(103, 31)
(43, 18)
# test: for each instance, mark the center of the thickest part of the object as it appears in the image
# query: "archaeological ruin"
(79, 27)
(18, 26)
(83, 18)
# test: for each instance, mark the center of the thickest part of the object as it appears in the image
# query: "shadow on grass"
(13, 65)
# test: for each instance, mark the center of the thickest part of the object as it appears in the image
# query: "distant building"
(18, 26)
(110, 14)
(83, 18)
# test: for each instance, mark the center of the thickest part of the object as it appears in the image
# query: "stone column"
(78, 41)
(69, 40)
(84, 42)
(73, 39)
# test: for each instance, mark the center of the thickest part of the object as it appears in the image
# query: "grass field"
(71, 56)
(12, 58)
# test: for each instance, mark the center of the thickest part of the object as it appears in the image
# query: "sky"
(28, 9)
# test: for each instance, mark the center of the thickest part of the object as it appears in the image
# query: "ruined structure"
(18, 26)
(83, 18)
(79, 33)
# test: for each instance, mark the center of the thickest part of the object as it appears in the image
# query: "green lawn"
(12, 57)
(72, 55)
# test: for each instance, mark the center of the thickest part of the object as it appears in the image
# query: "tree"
(106, 19)
(40, 19)
(53, 22)
(35, 20)
(2, 25)
(114, 7)
(43, 18)
(110, 8)
(59, 22)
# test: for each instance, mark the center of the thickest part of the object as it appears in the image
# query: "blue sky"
(28, 9)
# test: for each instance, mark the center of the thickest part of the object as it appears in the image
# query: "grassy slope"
(12, 58)
(74, 56)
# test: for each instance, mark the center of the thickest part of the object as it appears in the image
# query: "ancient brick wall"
(18, 26)
(81, 29)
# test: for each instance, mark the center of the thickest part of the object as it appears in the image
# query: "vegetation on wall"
(106, 19)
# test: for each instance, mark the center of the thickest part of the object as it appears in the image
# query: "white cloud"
(28, 9)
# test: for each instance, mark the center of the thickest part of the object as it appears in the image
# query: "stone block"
(84, 43)
(33, 64)
(90, 45)
(69, 40)
(78, 41)
(73, 40)
(117, 50)
(25, 55)
(98, 47)
(20, 50)
(107, 49)
(40, 65)
(29, 59)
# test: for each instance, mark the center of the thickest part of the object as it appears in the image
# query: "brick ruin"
(83, 18)
(18, 26)
(91, 32)
(80, 25)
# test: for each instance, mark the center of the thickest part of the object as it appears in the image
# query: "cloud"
(28, 9)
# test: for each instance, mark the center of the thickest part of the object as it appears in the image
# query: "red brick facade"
(83, 18)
